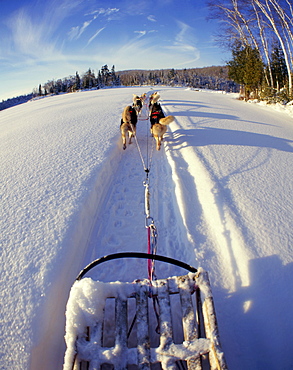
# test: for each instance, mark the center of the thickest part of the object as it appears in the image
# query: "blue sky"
(43, 40)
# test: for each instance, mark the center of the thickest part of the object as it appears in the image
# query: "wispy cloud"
(28, 36)
(32, 29)
(77, 31)
(143, 33)
(84, 26)
(108, 13)
(152, 18)
(73, 33)
(185, 42)
(53, 12)
(95, 35)
(140, 33)
(148, 52)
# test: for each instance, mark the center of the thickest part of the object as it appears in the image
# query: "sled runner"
(136, 325)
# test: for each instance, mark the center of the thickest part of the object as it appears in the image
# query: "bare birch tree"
(258, 23)
(272, 11)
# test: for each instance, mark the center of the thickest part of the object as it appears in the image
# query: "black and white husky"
(137, 103)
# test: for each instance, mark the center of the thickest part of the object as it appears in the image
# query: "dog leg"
(123, 136)
(132, 133)
(124, 142)
(157, 142)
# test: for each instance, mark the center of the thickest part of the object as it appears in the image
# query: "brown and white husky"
(154, 99)
(159, 123)
(128, 124)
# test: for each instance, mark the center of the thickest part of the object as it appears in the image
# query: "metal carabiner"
(149, 221)
(146, 182)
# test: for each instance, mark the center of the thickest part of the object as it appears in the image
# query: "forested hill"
(213, 77)
(213, 71)
(15, 101)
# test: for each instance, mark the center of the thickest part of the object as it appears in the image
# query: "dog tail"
(126, 114)
(135, 98)
(155, 97)
(166, 120)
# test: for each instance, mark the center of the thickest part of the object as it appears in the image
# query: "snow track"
(120, 221)
(210, 210)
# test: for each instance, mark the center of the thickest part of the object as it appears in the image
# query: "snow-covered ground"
(221, 197)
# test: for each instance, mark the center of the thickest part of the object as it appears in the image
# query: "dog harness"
(156, 116)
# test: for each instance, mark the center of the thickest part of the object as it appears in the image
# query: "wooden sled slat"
(194, 294)
(166, 332)
(188, 319)
(121, 332)
(143, 339)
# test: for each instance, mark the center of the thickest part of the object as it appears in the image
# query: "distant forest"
(214, 78)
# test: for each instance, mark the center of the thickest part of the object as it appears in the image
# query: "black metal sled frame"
(199, 347)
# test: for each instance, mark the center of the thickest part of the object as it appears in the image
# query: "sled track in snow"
(120, 220)
(210, 216)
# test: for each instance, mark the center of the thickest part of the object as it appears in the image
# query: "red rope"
(149, 252)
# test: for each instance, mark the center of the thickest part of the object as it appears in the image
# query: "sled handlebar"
(114, 256)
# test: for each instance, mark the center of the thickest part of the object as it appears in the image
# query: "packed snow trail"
(120, 222)
(221, 198)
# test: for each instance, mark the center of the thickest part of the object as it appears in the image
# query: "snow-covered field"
(221, 197)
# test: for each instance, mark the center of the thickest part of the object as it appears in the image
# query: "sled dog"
(153, 99)
(137, 103)
(159, 123)
(143, 97)
(128, 124)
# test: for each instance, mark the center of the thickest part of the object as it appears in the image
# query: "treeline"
(214, 77)
(260, 35)
(15, 101)
(89, 80)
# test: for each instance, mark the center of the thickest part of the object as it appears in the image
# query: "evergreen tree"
(113, 76)
(99, 80)
(88, 81)
(77, 81)
(246, 68)
(105, 74)
(279, 68)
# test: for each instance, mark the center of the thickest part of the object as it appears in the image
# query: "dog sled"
(135, 325)
(150, 323)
